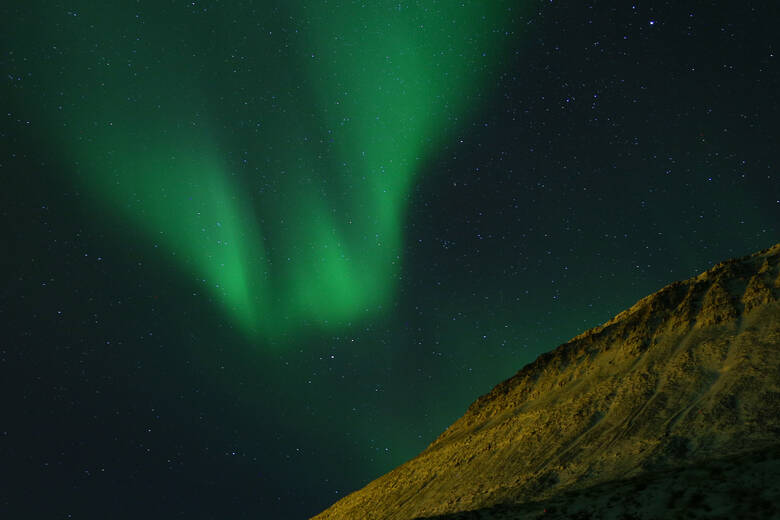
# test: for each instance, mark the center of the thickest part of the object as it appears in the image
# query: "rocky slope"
(743, 486)
(687, 377)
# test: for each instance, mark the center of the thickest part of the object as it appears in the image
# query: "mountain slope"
(688, 374)
(743, 486)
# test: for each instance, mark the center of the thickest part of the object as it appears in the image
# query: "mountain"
(671, 406)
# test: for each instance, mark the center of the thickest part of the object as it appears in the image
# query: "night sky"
(257, 254)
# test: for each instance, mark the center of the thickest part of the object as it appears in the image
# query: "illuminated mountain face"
(687, 375)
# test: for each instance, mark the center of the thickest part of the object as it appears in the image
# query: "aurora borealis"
(259, 253)
(299, 218)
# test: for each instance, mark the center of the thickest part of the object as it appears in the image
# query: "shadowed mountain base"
(745, 486)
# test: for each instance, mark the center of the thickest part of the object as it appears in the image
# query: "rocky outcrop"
(688, 374)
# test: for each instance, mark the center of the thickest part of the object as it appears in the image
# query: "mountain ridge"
(690, 372)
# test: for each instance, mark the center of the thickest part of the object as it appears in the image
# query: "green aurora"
(274, 166)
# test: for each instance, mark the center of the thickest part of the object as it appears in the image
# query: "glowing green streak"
(182, 197)
(390, 80)
(279, 183)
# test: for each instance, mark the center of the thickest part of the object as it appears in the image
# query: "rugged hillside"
(743, 486)
(688, 375)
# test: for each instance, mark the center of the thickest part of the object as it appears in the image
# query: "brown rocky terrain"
(669, 410)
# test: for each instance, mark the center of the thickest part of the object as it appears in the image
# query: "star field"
(257, 254)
